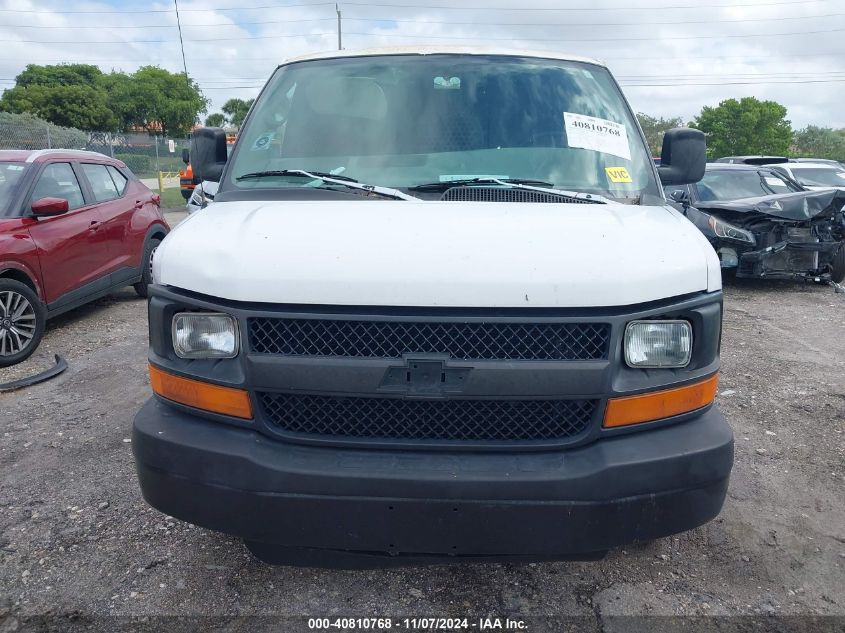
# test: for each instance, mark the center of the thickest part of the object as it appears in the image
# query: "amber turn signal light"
(647, 407)
(201, 395)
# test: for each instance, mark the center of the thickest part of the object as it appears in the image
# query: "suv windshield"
(10, 174)
(407, 120)
(741, 183)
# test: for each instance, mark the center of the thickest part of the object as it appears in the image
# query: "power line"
(210, 39)
(186, 26)
(426, 22)
(278, 60)
(618, 8)
(404, 6)
(590, 39)
(442, 37)
(206, 10)
(577, 24)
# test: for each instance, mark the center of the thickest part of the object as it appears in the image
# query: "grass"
(171, 198)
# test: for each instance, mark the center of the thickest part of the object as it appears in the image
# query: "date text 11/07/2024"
(416, 624)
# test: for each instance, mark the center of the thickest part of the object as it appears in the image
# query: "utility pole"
(339, 28)
(181, 43)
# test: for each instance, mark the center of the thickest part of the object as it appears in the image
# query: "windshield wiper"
(319, 175)
(344, 181)
(443, 185)
(515, 183)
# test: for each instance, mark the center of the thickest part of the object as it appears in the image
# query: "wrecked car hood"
(420, 253)
(801, 205)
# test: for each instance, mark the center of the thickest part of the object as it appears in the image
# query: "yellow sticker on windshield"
(618, 174)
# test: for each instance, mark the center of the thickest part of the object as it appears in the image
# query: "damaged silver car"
(764, 224)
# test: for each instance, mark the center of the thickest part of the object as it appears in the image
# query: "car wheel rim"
(17, 323)
(152, 254)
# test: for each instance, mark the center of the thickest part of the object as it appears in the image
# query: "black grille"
(466, 341)
(508, 194)
(399, 419)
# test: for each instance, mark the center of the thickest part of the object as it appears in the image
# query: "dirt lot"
(79, 544)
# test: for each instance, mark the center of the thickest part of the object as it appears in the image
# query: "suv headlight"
(204, 335)
(658, 343)
(730, 232)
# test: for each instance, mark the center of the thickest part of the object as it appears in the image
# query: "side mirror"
(186, 156)
(46, 207)
(208, 153)
(683, 158)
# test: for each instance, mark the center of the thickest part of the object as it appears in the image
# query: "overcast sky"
(670, 60)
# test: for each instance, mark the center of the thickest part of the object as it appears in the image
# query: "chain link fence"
(145, 154)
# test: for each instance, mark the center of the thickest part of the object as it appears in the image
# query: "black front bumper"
(342, 507)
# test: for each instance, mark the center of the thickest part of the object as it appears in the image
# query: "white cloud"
(641, 46)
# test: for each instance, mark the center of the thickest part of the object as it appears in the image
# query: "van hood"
(467, 254)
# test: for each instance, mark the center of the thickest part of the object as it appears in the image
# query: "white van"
(439, 311)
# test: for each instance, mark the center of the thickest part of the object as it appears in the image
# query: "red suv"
(73, 227)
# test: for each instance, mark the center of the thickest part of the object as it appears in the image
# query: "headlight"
(730, 232)
(658, 343)
(204, 335)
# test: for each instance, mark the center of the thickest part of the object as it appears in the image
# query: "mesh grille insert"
(465, 341)
(398, 419)
(507, 194)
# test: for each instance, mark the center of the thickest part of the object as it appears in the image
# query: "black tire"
(22, 321)
(837, 270)
(147, 274)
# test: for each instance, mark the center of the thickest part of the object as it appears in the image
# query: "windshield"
(403, 121)
(733, 185)
(820, 176)
(10, 175)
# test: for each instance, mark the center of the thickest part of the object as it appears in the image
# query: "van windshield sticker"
(600, 135)
(263, 141)
(772, 180)
(618, 174)
(452, 83)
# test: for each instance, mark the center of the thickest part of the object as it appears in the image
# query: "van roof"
(444, 50)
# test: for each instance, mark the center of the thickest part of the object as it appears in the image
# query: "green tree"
(71, 95)
(215, 120)
(654, 128)
(162, 102)
(82, 96)
(745, 127)
(237, 109)
(820, 142)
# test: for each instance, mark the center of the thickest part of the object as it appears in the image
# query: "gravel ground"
(78, 543)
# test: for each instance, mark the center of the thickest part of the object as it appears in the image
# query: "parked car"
(814, 175)
(202, 196)
(74, 226)
(752, 160)
(824, 161)
(731, 182)
(764, 224)
(489, 337)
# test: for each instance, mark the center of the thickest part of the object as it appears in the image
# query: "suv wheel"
(147, 275)
(22, 319)
(837, 272)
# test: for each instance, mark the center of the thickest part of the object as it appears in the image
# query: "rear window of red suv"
(10, 175)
